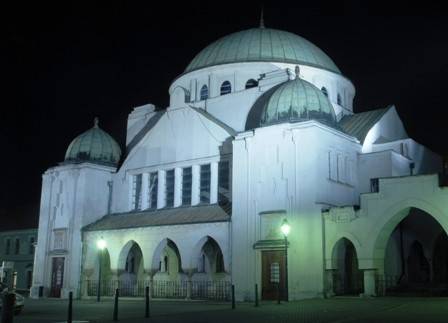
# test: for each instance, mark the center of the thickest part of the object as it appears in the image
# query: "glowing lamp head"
(285, 227)
(101, 244)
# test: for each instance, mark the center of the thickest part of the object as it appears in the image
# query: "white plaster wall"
(72, 196)
(181, 138)
(233, 108)
(284, 167)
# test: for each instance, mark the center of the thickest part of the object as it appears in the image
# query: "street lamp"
(101, 244)
(285, 228)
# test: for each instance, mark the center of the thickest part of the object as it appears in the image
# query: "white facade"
(203, 187)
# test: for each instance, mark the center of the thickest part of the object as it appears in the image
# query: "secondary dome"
(292, 101)
(262, 45)
(94, 145)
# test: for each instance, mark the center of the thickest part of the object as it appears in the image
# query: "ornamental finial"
(262, 17)
(96, 120)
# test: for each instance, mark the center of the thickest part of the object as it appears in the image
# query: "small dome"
(262, 45)
(292, 101)
(94, 145)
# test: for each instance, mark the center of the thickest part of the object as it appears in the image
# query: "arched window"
(324, 91)
(251, 83)
(339, 99)
(219, 262)
(226, 88)
(204, 92)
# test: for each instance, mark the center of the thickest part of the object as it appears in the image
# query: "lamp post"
(285, 230)
(101, 244)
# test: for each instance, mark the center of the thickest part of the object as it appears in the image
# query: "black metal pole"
(70, 308)
(147, 301)
(278, 293)
(233, 297)
(99, 276)
(286, 270)
(116, 305)
(256, 295)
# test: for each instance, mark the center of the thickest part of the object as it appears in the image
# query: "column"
(195, 172)
(144, 191)
(214, 182)
(369, 282)
(161, 199)
(177, 187)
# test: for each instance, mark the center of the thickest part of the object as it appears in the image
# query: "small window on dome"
(339, 99)
(204, 92)
(251, 83)
(324, 91)
(226, 88)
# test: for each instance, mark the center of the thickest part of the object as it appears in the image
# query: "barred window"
(59, 240)
(223, 181)
(251, 83)
(186, 185)
(17, 246)
(204, 92)
(8, 246)
(205, 184)
(169, 188)
(152, 191)
(31, 246)
(136, 192)
(226, 88)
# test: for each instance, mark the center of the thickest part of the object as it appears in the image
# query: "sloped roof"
(359, 124)
(161, 217)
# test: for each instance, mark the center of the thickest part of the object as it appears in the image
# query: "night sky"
(64, 65)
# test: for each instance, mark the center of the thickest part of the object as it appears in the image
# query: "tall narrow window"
(8, 246)
(324, 91)
(17, 246)
(204, 92)
(339, 98)
(226, 88)
(205, 184)
(251, 83)
(152, 191)
(136, 192)
(169, 189)
(186, 186)
(224, 181)
(31, 246)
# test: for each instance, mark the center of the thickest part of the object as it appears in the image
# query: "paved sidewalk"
(336, 310)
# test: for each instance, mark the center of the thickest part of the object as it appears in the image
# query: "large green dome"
(292, 101)
(262, 45)
(94, 145)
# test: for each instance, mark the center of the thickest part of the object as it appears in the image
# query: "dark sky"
(64, 65)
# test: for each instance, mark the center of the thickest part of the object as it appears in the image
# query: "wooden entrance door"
(273, 274)
(57, 276)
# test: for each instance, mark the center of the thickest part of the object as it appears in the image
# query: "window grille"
(223, 181)
(169, 188)
(205, 184)
(152, 191)
(136, 192)
(251, 83)
(17, 246)
(204, 92)
(186, 185)
(226, 88)
(8, 246)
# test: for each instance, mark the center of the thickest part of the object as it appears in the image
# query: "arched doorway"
(132, 276)
(168, 279)
(347, 278)
(415, 262)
